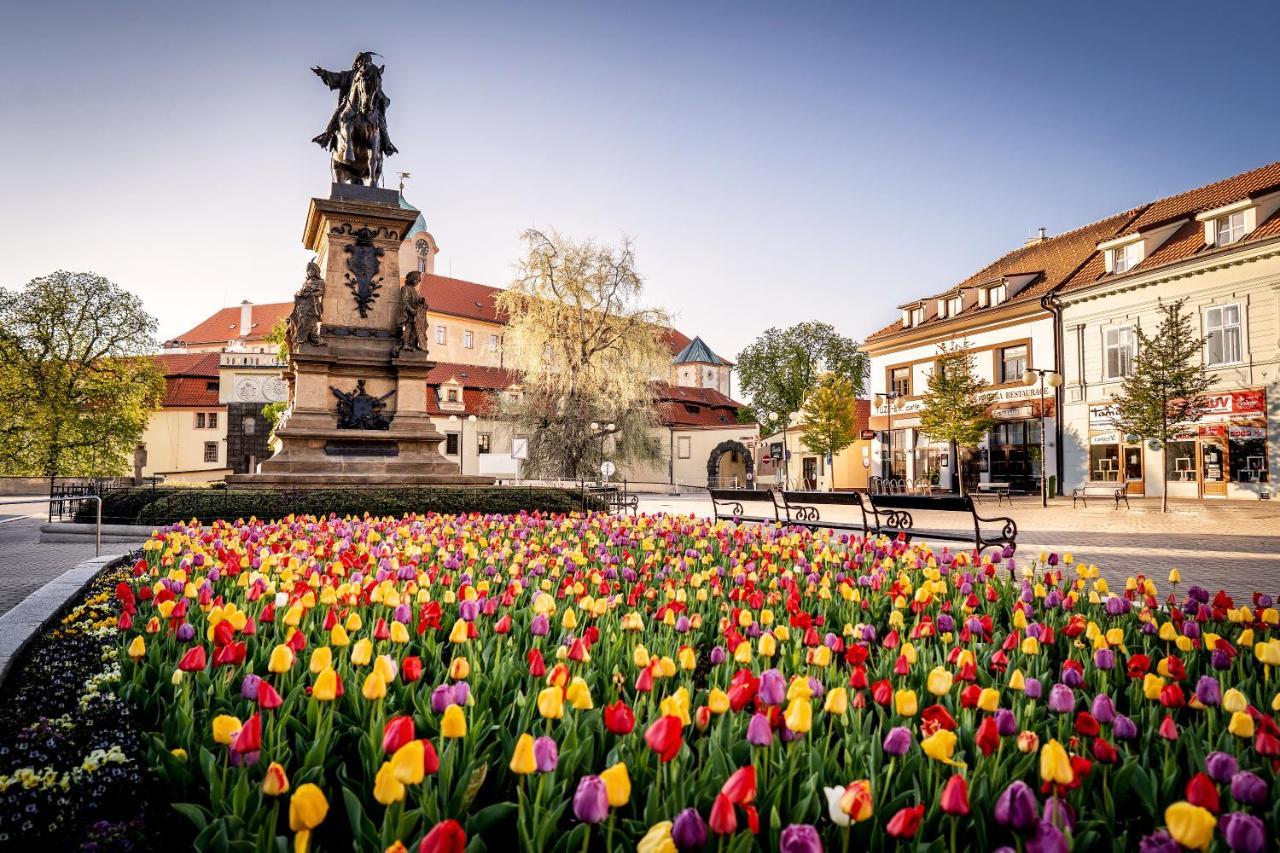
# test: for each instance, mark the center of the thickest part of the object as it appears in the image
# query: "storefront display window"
(1015, 453)
(930, 459)
(898, 454)
(1104, 462)
(1247, 452)
(1180, 461)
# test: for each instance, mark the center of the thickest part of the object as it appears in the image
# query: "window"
(1120, 347)
(451, 444)
(1180, 461)
(1223, 335)
(213, 420)
(1125, 258)
(916, 316)
(1229, 228)
(199, 420)
(211, 451)
(493, 343)
(452, 395)
(1013, 363)
(995, 294)
(468, 339)
(422, 265)
(211, 385)
(249, 425)
(955, 305)
(682, 447)
(440, 334)
(1247, 451)
(900, 381)
(482, 442)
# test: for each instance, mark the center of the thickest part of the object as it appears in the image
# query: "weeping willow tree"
(589, 351)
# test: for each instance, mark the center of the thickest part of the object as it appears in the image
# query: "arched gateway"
(730, 471)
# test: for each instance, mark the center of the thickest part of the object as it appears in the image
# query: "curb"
(20, 625)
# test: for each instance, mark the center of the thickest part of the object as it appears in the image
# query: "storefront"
(1113, 458)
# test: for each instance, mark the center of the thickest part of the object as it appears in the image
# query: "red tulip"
(1086, 724)
(249, 738)
(268, 697)
(644, 681)
(955, 796)
(1203, 792)
(905, 823)
(882, 692)
(503, 625)
(969, 696)
(194, 660)
(664, 737)
(988, 736)
(1105, 752)
(1137, 666)
(619, 719)
(380, 630)
(297, 642)
(430, 758)
(536, 666)
(723, 820)
(740, 787)
(396, 733)
(411, 668)
(936, 717)
(1171, 696)
(447, 836)
(1168, 729)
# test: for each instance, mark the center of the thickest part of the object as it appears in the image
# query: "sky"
(773, 162)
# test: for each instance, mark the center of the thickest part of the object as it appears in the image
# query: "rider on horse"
(338, 131)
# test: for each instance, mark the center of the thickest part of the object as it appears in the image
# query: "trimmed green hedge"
(123, 506)
(209, 504)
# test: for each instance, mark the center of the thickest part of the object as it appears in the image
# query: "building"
(1218, 248)
(700, 420)
(785, 460)
(185, 441)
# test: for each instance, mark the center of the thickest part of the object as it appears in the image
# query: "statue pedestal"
(356, 235)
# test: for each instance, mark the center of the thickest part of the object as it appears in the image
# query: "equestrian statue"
(357, 131)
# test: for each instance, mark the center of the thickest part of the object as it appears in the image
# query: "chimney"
(246, 318)
(1039, 238)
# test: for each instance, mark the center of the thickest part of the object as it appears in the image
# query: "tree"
(273, 413)
(782, 366)
(588, 352)
(76, 386)
(830, 418)
(956, 402)
(1165, 391)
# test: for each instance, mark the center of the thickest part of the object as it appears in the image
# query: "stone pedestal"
(356, 235)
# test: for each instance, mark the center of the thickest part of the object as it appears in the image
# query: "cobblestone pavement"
(25, 564)
(1232, 546)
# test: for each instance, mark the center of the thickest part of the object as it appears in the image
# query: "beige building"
(786, 462)
(185, 441)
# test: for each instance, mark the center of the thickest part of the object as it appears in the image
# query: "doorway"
(810, 473)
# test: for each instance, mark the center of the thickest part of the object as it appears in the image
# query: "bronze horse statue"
(357, 131)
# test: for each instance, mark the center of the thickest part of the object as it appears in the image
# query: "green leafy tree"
(956, 401)
(76, 387)
(782, 366)
(830, 417)
(273, 412)
(1165, 391)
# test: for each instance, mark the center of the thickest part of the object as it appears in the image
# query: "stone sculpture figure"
(308, 307)
(357, 131)
(413, 317)
(360, 410)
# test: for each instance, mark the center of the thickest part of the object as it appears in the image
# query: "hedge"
(209, 504)
(121, 506)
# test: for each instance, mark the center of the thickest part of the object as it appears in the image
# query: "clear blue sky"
(775, 162)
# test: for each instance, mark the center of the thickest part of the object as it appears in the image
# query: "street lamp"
(600, 431)
(1054, 379)
(773, 419)
(888, 398)
(462, 438)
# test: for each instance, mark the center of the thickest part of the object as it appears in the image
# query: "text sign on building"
(1103, 414)
(1251, 402)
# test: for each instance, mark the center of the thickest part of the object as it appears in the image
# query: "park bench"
(1000, 490)
(618, 500)
(728, 504)
(1096, 488)
(891, 515)
(802, 508)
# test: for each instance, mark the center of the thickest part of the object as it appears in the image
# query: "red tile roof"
(472, 376)
(461, 298)
(475, 401)
(187, 377)
(224, 325)
(679, 405)
(189, 364)
(1246, 185)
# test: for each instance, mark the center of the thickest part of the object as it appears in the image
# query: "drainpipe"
(1051, 305)
(671, 456)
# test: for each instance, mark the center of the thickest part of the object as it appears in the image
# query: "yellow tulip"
(276, 782)
(742, 652)
(138, 648)
(799, 716)
(387, 789)
(225, 727)
(458, 633)
(281, 659)
(1234, 701)
(374, 687)
(338, 636)
(385, 666)
(361, 652)
(459, 669)
(837, 701)
(578, 694)
(454, 723)
(1030, 645)
(1017, 681)
(551, 703)
(1241, 724)
(940, 746)
(905, 703)
(1175, 576)
(718, 701)
(1191, 826)
(399, 633)
(407, 763)
(617, 784)
(326, 686)
(688, 660)
(767, 646)
(939, 681)
(657, 839)
(321, 659)
(522, 760)
(1055, 766)
(989, 700)
(307, 808)
(1152, 684)
(799, 689)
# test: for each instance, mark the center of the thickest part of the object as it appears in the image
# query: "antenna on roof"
(404, 176)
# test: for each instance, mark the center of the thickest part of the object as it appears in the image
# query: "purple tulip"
(540, 625)
(1060, 813)
(1017, 807)
(468, 609)
(759, 732)
(717, 655)
(1033, 688)
(1117, 606)
(1006, 722)
(591, 800)
(1104, 659)
(1062, 699)
(1220, 659)
(1123, 728)
(1249, 789)
(773, 689)
(1047, 839)
(1159, 842)
(1191, 630)
(1221, 767)
(799, 838)
(186, 632)
(689, 831)
(897, 741)
(546, 754)
(945, 623)
(1244, 832)
(459, 693)
(441, 698)
(1207, 690)
(249, 687)
(1104, 710)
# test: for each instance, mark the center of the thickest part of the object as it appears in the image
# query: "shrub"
(209, 504)
(121, 506)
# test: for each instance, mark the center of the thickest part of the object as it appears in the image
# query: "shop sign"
(1105, 438)
(1212, 431)
(868, 434)
(1015, 412)
(1246, 432)
(1028, 392)
(1251, 402)
(1103, 414)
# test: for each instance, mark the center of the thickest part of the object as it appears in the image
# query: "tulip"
(194, 660)
(799, 838)
(664, 737)
(740, 787)
(138, 649)
(1248, 788)
(617, 784)
(723, 820)
(522, 760)
(387, 789)
(268, 697)
(940, 746)
(955, 796)
(249, 738)
(546, 754)
(1047, 839)
(837, 702)
(1202, 791)
(619, 719)
(281, 660)
(447, 836)
(591, 800)
(1221, 767)
(225, 728)
(307, 808)
(905, 703)
(396, 733)
(454, 723)
(326, 686)
(938, 682)
(1190, 825)
(551, 703)
(759, 732)
(799, 716)
(897, 741)
(1244, 832)
(1016, 808)
(658, 839)
(689, 831)
(1241, 725)
(276, 782)
(408, 763)
(374, 687)
(906, 822)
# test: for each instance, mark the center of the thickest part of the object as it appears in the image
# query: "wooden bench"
(728, 504)
(1114, 491)
(891, 515)
(801, 507)
(1000, 490)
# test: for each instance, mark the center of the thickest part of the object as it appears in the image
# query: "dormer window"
(915, 316)
(1229, 228)
(955, 305)
(995, 294)
(1125, 258)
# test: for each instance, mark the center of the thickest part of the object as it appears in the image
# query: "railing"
(97, 532)
(70, 493)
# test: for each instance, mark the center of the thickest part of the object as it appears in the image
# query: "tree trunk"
(957, 481)
(1164, 463)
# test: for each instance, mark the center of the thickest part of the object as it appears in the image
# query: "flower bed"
(575, 682)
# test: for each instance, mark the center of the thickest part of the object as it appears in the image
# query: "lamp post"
(600, 432)
(887, 399)
(1054, 379)
(462, 439)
